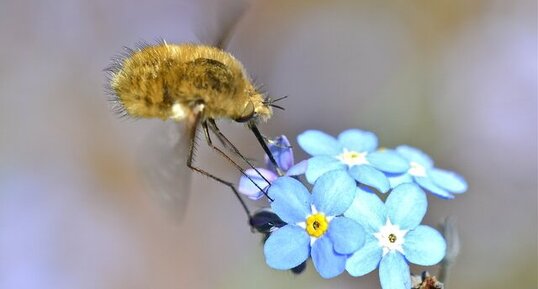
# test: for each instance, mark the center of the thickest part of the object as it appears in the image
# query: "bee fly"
(193, 84)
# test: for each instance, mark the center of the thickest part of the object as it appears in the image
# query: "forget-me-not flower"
(394, 236)
(315, 226)
(283, 154)
(353, 151)
(421, 171)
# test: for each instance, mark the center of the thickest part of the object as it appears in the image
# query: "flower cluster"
(355, 151)
(342, 224)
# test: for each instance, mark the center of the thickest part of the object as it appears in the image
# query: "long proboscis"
(252, 126)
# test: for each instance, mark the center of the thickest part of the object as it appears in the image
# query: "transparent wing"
(215, 20)
(164, 165)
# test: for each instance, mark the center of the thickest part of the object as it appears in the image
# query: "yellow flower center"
(416, 169)
(316, 225)
(391, 238)
(353, 158)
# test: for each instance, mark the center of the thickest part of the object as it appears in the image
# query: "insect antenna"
(271, 102)
(277, 106)
(279, 99)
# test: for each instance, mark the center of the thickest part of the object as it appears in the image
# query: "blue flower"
(281, 150)
(394, 236)
(421, 171)
(355, 152)
(315, 226)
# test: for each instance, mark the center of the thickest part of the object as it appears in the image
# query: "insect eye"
(248, 113)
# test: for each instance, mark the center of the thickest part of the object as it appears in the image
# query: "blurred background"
(455, 78)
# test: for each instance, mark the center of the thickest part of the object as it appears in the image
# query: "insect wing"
(164, 165)
(217, 29)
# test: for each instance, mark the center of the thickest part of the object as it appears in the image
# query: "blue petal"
(394, 272)
(316, 143)
(427, 184)
(449, 181)
(415, 155)
(370, 176)
(424, 246)
(398, 179)
(319, 165)
(368, 210)
(366, 259)
(291, 200)
(282, 152)
(333, 193)
(347, 235)
(358, 140)
(328, 263)
(406, 206)
(298, 169)
(388, 161)
(247, 188)
(287, 247)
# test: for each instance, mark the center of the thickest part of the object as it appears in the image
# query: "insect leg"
(215, 129)
(260, 138)
(192, 135)
(222, 141)
(210, 144)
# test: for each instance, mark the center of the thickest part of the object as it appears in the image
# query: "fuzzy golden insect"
(194, 84)
(170, 81)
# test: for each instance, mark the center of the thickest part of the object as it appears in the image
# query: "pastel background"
(455, 78)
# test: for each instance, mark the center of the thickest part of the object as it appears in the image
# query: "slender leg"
(215, 129)
(226, 143)
(222, 141)
(192, 135)
(210, 144)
